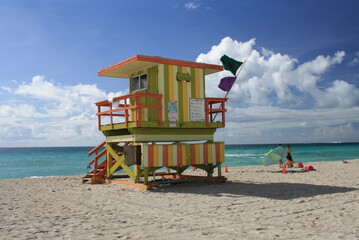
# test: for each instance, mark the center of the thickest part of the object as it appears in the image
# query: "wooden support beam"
(119, 163)
(145, 175)
(182, 169)
(137, 172)
(109, 160)
(219, 166)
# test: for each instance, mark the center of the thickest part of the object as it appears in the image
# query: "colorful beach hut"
(165, 121)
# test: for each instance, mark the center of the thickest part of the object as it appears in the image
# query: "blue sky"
(300, 82)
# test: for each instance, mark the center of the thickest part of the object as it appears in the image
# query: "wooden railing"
(97, 157)
(125, 105)
(215, 106)
(121, 107)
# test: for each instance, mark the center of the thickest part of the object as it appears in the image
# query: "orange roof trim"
(211, 68)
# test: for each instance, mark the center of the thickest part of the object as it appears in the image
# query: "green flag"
(230, 64)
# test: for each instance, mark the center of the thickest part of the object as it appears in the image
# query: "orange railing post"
(95, 150)
(99, 117)
(126, 112)
(111, 116)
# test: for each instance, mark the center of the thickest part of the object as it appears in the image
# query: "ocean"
(66, 161)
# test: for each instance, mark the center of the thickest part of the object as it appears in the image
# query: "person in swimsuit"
(290, 161)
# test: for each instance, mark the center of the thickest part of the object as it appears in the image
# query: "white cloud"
(7, 89)
(11, 134)
(192, 5)
(61, 101)
(336, 133)
(23, 111)
(40, 89)
(52, 114)
(265, 124)
(270, 78)
(276, 97)
(339, 94)
(355, 61)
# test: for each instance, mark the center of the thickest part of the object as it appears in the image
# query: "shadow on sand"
(278, 191)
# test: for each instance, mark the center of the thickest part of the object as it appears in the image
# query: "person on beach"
(290, 161)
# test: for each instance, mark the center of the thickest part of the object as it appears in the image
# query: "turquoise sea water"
(65, 161)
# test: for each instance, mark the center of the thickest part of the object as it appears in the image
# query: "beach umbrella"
(273, 156)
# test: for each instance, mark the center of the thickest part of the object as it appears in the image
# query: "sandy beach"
(257, 202)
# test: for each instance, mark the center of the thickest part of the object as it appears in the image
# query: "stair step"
(100, 171)
(85, 180)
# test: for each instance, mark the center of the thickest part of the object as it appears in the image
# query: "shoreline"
(188, 171)
(257, 202)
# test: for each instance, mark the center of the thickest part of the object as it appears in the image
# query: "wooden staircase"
(99, 171)
(97, 174)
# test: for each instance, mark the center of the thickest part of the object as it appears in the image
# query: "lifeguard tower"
(165, 121)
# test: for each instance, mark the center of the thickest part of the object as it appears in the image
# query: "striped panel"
(161, 88)
(170, 155)
(197, 83)
(201, 83)
(155, 155)
(182, 154)
(210, 153)
(152, 81)
(179, 91)
(159, 155)
(189, 95)
(183, 96)
(171, 80)
(179, 155)
(193, 154)
(144, 157)
(184, 102)
(150, 156)
(221, 144)
(205, 153)
(189, 85)
(186, 151)
(175, 85)
(165, 155)
(198, 153)
(214, 159)
(164, 82)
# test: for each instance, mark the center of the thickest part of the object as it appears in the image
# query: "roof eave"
(209, 68)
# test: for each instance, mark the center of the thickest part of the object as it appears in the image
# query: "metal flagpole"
(231, 86)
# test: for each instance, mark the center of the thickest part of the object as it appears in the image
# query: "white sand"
(256, 203)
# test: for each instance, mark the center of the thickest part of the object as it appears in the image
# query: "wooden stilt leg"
(109, 164)
(210, 170)
(145, 175)
(136, 169)
(219, 170)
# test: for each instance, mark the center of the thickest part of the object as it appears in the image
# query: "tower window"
(139, 82)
